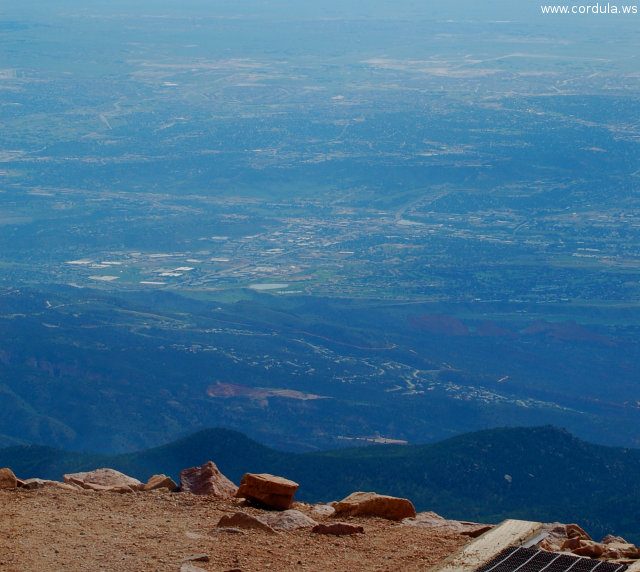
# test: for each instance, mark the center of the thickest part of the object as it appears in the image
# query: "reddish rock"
(243, 520)
(104, 480)
(267, 490)
(323, 511)
(160, 482)
(589, 548)
(373, 504)
(620, 551)
(188, 567)
(570, 544)
(338, 529)
(8, 479)
(433, 520)
(207, 480)
(574, 531)
(63, 486)
(196, 558)
(478, 530)
(288, 520)
(609, 539)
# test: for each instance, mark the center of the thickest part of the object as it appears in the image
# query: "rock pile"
(571, 538)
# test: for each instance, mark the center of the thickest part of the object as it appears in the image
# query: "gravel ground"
(55, 529)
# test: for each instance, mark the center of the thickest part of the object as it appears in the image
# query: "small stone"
(31, 484)
(620, 550)
(196, 558)
(229, 530)
(191, 568)
(574, 531)
(338, 529)
(7, 479)
(323, 511)
(610, 539)
(433, 520)
(244, 520)
(288, 520)
(477, 530)
(267, 490)
(64, 486)
(195, 535)
(160, 482)
(582, 547)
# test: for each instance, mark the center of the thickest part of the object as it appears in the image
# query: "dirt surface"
(55, 529)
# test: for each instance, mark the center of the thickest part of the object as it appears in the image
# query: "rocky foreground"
(104, 520)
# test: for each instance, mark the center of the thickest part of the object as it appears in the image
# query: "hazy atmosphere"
(320, 225)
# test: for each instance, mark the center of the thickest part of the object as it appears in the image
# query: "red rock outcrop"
(373, 504)
(207, 480)
(267, 490)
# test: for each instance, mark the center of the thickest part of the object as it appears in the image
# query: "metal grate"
(533, 560)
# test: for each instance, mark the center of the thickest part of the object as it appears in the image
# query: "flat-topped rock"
(373, 504)
(104, 480)
(267, 490)
(207, 480)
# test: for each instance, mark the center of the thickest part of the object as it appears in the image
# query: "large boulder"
(267, 490)
(207, 480)
(104, 480)
(373, 504)
(7, 479)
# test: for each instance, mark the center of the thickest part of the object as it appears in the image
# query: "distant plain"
(430, 221)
